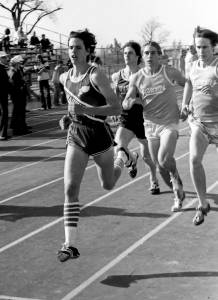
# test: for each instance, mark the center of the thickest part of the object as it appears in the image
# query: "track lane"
(52, 281)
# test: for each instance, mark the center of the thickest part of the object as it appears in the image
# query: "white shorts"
(154, 131)
(209, 130)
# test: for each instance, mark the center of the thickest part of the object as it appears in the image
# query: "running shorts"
(93, 137)
(209, 130)
(133, 120)
(154, 131)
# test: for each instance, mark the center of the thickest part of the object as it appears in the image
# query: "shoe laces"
(132, 160)
(154, 185)
(177, 203)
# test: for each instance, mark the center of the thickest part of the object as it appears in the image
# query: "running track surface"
(131, 245)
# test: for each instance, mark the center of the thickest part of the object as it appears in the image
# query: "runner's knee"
(107, 185)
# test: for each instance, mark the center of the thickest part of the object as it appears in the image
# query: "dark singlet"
(84, 92)
(122, 88)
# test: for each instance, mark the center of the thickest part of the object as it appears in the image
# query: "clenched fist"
(65, 122)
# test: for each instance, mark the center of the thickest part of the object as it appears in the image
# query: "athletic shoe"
(132, 168)
(177, 206)
(178, 192)
(154, 188)
(67, 252)
(201, 212)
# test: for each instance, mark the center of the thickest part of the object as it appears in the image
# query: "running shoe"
(177, 206)
(132, 168)
(201, 212)
(154, 188)
(67, 252)
(178, 192)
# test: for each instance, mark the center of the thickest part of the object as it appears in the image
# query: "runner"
(155, 85)
(90, 100)
(202, 88)
(131, 121)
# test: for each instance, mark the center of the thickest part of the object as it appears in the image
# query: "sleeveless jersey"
(159, 97)
(205, 91)
(83, 92)
(122, 86)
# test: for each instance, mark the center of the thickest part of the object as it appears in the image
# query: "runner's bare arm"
(187, 94)
(131, 96)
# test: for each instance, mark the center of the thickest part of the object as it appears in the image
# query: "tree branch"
(40, 17)
(20, 11)
(5, 7)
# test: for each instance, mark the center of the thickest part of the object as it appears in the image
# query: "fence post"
(60, 46)
(104, 57)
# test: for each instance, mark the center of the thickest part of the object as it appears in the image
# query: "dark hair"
(39, 56)
(87, 37)
(7, 31)
(96, 59)
(207, 34)
(155, 45)
(137, 49)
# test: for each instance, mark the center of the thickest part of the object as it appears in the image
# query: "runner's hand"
(128, 103)
(184, 113)
(65, 122)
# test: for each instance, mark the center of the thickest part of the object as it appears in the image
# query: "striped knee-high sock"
(71, 219)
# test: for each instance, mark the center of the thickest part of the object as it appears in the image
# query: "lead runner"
(90, 100)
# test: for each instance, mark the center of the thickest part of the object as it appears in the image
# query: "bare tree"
(153, 31)
(21, 10)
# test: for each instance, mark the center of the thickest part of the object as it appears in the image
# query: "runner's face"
(4, 60)
(150, 55)
(130, 56)
(77, 51)
(204, 48)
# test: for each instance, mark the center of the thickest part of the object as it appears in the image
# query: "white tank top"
(159, 97)
(205, 91)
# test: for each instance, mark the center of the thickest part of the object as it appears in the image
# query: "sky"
(124, 19)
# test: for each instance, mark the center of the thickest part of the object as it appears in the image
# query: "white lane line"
(60, 219)
(43, 185)
(29, 235)
(31, 190)
(32, 146)
(129, 250)
(32, 164)
(3, 297)
(38, 187)
(49, 141)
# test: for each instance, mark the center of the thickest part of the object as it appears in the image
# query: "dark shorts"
(133, 120)
(93, 138)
